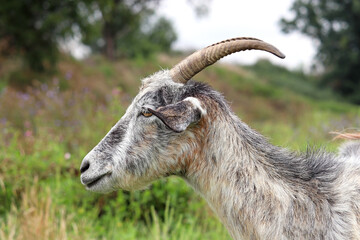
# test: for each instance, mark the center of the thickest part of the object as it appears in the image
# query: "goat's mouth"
(90, 182)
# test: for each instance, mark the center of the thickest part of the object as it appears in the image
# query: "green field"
(45, 131)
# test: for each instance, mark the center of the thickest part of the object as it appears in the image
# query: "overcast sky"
(239, 18)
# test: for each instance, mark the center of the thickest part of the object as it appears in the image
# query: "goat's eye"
(146, 114)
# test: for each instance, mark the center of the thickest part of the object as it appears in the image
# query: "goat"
(177, 126)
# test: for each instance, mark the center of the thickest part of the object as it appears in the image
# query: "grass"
(47, 129)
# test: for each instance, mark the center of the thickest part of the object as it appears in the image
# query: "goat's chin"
(133, 186)
(101, 187)
(100, 190)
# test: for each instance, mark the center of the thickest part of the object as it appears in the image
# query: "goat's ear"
(180, 115)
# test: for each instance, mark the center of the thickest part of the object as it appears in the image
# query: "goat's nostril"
(84, 166)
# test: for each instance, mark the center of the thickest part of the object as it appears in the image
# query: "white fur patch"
(196, 103)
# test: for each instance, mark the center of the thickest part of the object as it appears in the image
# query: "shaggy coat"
(259, 191)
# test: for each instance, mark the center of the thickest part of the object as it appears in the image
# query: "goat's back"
(350, 149)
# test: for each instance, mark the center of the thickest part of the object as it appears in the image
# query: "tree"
(336, 27)
(129, 28)
(32, 29)
(156, 35)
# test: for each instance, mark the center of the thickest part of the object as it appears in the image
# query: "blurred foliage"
(122, 28)
(33, 29)
(129, 29)
(295, 80)
(335, 27)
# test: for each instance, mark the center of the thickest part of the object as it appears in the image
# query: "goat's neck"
(238, 182)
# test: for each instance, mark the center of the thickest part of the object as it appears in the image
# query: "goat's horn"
(190, 66)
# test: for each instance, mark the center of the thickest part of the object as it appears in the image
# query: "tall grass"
(37, 218)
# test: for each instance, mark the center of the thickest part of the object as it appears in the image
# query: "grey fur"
(259, 191)
(349, 149)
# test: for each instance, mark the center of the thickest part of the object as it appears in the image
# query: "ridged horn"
(190, 66)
